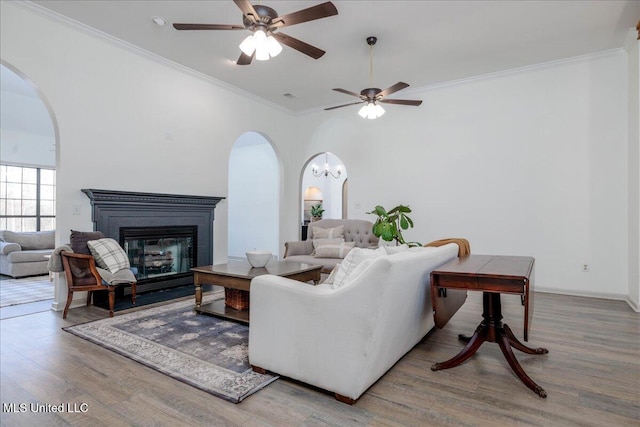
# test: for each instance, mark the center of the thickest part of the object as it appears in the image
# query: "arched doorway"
(324, 181)
(254, 202)
(27, 153)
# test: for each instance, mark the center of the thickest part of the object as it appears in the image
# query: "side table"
(492, 275)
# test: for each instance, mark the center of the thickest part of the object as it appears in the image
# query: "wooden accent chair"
(82, 276)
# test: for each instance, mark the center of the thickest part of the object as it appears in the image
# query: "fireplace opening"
(160, 253)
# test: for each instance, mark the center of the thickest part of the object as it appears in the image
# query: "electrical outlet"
(585, 268)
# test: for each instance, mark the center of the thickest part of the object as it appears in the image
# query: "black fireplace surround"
(151, 214)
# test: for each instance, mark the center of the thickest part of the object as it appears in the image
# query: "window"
(27, 198)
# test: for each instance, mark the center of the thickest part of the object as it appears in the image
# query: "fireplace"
(165, 235)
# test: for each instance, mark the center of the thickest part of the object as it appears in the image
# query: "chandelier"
(326, 171)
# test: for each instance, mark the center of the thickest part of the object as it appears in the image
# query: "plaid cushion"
(108, 254)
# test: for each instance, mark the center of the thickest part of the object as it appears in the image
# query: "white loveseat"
(344, 339)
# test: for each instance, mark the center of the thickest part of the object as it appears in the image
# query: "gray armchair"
(355, 230)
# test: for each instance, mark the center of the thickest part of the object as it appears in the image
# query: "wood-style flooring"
(591, 375)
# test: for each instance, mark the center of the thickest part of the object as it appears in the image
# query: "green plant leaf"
(404, 224)
(388, 232)
(410, 221)
(389, 224)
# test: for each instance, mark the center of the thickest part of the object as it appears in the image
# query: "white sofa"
(344, 339)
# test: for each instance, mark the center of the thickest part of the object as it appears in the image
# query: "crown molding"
(101, 35)
(498, 74)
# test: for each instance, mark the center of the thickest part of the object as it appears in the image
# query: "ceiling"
(423, 43)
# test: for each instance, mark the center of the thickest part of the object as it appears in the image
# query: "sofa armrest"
(7, 247)
(304, 247)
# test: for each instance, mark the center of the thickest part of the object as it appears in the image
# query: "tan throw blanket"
(464, 248)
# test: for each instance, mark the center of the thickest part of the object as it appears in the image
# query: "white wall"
(532, 162)
(632, 47)
(521, 163)
(254, 200)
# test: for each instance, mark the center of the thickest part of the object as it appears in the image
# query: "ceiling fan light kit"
(371, 111)
(264, 46)
(264, 23)
(372, 96)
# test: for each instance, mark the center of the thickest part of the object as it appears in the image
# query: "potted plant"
(390, 224)
(316, 212)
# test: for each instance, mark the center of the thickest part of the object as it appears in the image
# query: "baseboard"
(633, 304)
(589, 294)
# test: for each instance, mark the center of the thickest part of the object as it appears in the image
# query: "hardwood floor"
(591, 374)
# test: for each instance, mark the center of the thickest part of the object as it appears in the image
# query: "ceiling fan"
(372, 96)
(263, 22)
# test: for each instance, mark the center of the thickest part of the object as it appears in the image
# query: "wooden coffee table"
(238, 276)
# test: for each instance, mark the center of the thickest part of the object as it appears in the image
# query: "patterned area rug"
(204, 351)
(25, 290)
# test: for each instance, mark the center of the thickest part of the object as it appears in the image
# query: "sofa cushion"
(328, 233)
(326, 263)
(349, 265)
(108, 254)
(29, 240)
(79, 239)
(29, 256)
(336, 250)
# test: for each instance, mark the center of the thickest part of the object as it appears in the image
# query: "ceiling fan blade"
(207, 27)
(347, 92)
(319, 11)
(247, 9)
(344, 105)
(245, 59)
(299, 45)
(401, 101)
(396, 87)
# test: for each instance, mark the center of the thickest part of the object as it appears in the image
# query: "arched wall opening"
(324, 180)
(254, 197)
(29, 137)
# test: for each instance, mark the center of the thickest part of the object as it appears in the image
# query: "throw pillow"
(327, 233)
(332, 275)
(323, 242)
(109, 255)
(355, 257)
(79, 240)
(339, 250)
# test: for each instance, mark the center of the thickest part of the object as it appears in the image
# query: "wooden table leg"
(505, 346)
(515, 343)
(493, 330)
(198, 295)
(473, 344)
